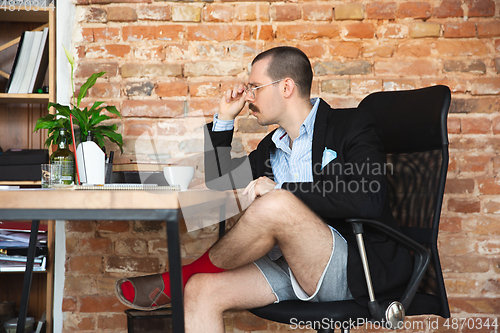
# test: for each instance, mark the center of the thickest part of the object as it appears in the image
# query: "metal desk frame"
(170, 216)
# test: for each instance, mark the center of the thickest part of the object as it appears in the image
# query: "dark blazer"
(354, 184)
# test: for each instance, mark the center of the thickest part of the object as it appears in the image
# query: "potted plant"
(89, 120)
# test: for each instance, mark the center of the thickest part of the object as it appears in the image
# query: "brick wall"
(168, 61)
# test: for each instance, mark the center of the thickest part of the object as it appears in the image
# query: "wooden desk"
(65, 204)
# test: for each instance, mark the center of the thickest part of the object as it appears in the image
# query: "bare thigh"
(240, 288)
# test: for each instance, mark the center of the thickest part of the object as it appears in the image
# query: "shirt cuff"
(222, 125)
(278, 186)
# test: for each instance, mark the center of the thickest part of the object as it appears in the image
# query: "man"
(308, 175)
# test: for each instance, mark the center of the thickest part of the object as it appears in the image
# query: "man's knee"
(275, 201)
(202, 290)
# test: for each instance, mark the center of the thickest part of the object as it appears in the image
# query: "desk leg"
(174, 267)
(28, 276)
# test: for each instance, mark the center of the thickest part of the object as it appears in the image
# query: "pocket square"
(328, 156)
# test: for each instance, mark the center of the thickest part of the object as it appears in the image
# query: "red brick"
(475, 305)
(152, 109)
(480, 8)
(204, 89)
(95, 246)
(170, 128)
(360, 30)
(85, 264)
(381, 10)
(154, 13)
(78, 322)
(488, 29)
(285, 12)
(171, 89)
(218, 13)
(85, 70)
(455, 84)
(459, 48)
(491, 206)
(453, 125)
(475, 163)
(217, 33)
(121, 14)
(262, 32)
(406, 68)
(252, 12)
(107, 34)
(115, 321)
(459, 186)
(138, 32)
(488, 86)
(95, 15)
(137, 127)
(460, 286)
(171, 32)
(79, 226)
(317, 12)
(312, 49)
(465, 264)
(99, 304)
(496, 125)
(475, 105)
(476, 125)
(344, 49)
(416, 10)
(486, 225)
(455, 244)
(450, 224)
(464, 205)
(449, 8)
(204, 106)
(105, 90)
(306, 31)
(414, 48)
(108, 51)
(459, 29)
(489, 186)
(69, 304)
(128, 264)
(393, 31)
(398, 84)
(112, 226)
(377, 50)
(365, 86)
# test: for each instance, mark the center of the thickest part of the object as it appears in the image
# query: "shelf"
(20, 182)
(24, 14)
(24, 98)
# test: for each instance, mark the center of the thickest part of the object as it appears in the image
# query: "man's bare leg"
(278, 217)
(207, 296)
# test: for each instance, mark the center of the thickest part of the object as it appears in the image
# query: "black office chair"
(412, 126)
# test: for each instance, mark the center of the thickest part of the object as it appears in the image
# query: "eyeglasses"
(251, 90)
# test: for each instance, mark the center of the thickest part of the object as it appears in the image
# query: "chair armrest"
(422, 257)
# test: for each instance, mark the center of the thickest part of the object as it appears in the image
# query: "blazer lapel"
(318, 144)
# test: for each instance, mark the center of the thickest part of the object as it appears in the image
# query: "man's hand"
(258, 188)
(232, 102)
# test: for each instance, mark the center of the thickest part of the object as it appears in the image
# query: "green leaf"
(87, 85)
(63, 110)
(96, 120)
(112, 109)
(95, 105)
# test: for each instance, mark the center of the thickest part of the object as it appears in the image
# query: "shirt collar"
(307, 127)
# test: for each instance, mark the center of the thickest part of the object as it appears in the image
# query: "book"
(19, 67)
(16, 61)
(30, 65)
(42, 63)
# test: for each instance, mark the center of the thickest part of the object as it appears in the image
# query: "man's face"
(266, 105)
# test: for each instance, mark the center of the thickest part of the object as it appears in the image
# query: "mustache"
(253, 107)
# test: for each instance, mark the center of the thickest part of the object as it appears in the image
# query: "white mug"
(179, 175)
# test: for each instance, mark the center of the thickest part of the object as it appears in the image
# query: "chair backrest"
(413, 128)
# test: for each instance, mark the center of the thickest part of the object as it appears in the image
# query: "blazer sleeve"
(222, 172)
(351, 185)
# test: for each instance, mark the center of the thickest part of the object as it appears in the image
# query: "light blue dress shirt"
(288, 164)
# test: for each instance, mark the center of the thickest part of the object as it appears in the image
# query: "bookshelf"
(18, 116)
